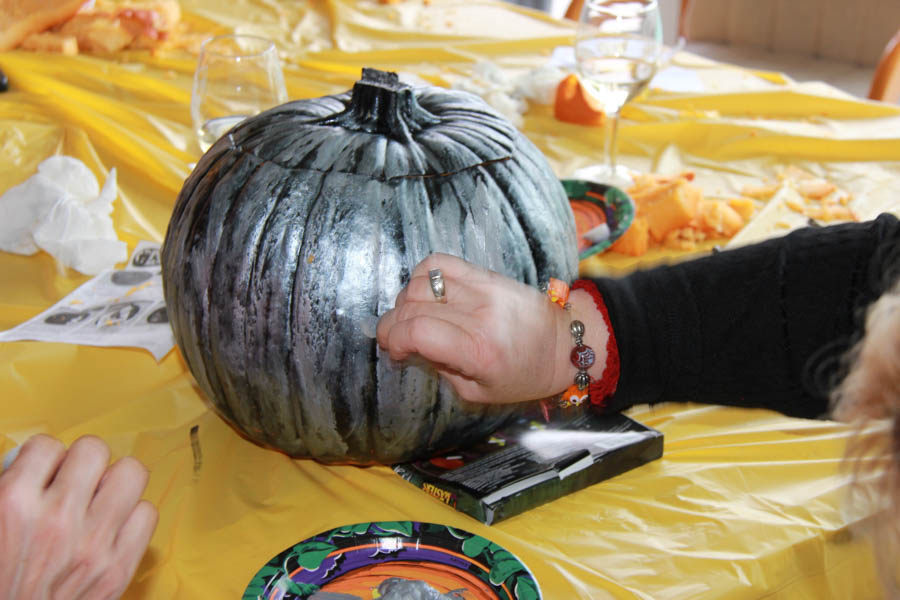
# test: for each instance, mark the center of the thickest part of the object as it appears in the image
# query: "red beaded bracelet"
(582, 356)
(601, 389)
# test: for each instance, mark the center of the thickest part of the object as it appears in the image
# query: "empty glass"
(237, 77)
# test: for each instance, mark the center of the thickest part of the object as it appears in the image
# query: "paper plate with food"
(602, 214)
(394, 560)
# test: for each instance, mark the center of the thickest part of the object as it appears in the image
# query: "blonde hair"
(869, 397)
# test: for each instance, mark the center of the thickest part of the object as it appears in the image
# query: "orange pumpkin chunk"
(744, 207)
(671, 210)
(717, 217)
(574, 104)
(635, 240)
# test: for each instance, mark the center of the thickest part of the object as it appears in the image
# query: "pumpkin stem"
(380, 103)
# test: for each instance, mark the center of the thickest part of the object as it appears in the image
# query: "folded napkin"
(62, 210)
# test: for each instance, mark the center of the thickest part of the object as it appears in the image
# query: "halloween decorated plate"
(602, 214)
(394, 560)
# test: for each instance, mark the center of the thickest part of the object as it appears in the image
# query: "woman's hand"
(71, 525)
(495, 339)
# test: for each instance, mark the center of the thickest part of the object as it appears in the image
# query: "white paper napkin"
(62, 210)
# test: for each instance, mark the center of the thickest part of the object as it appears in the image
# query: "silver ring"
(437, 284)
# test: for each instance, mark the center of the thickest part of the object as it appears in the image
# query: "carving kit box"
(532, 462)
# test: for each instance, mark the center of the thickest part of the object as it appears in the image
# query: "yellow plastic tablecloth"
(743, 504)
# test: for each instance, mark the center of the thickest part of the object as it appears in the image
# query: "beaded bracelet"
(601, 390)
(582, 356)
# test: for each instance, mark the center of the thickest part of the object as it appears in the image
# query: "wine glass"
(237, 76)
(618, 46)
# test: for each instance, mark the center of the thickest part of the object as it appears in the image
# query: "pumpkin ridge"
(299, 378)
(341, 408)
(458, 134)
(177, 231)
(256, 326)
(479, 237)
(515, 226)
(216, 386)
(345, 394)
(222, 324)
(531, 224)
(440, 146)
(371, 408)
(183, 205)
(472, 127)
(292, 376)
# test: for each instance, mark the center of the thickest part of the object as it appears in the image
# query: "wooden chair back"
(886, 81)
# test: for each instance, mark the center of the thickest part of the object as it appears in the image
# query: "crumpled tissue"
(62, 210)
(509, 94)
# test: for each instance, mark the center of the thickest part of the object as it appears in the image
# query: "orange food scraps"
(685, 238)
(760, 192)
(21, 18)
(672, 212)
(744, 207)
(815, 188)
(636, 239)
(675, 208)
(46, 41)
(574, 104)
(718, 218)
(97, 33)
(105, 27)
(817, 198)
(828, 212)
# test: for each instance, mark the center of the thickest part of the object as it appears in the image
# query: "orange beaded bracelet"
(582, 356)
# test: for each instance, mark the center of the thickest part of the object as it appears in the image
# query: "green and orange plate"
(367, 561)
(597, 204)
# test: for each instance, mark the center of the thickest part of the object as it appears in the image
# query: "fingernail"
(368, 325)
(9, 457)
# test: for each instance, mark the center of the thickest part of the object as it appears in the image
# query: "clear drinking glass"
(618, 46)
(237, 77)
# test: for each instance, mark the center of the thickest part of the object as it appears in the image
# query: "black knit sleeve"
(764, 325)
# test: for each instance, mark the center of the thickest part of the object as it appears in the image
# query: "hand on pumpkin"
(495, 339)
(71, 526)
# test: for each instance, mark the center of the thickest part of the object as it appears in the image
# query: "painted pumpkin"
(300, 226)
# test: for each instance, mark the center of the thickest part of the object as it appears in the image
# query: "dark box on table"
(532, 462)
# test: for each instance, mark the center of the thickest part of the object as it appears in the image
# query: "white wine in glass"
(618, 46)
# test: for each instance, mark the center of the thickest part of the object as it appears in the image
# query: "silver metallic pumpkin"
(301, 225)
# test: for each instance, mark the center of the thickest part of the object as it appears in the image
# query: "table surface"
(743, 504)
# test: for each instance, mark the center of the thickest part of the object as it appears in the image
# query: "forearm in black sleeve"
(754, 326)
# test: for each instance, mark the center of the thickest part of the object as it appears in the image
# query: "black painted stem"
(380, 103)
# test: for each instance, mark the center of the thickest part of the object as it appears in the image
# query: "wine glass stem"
(612, 130)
